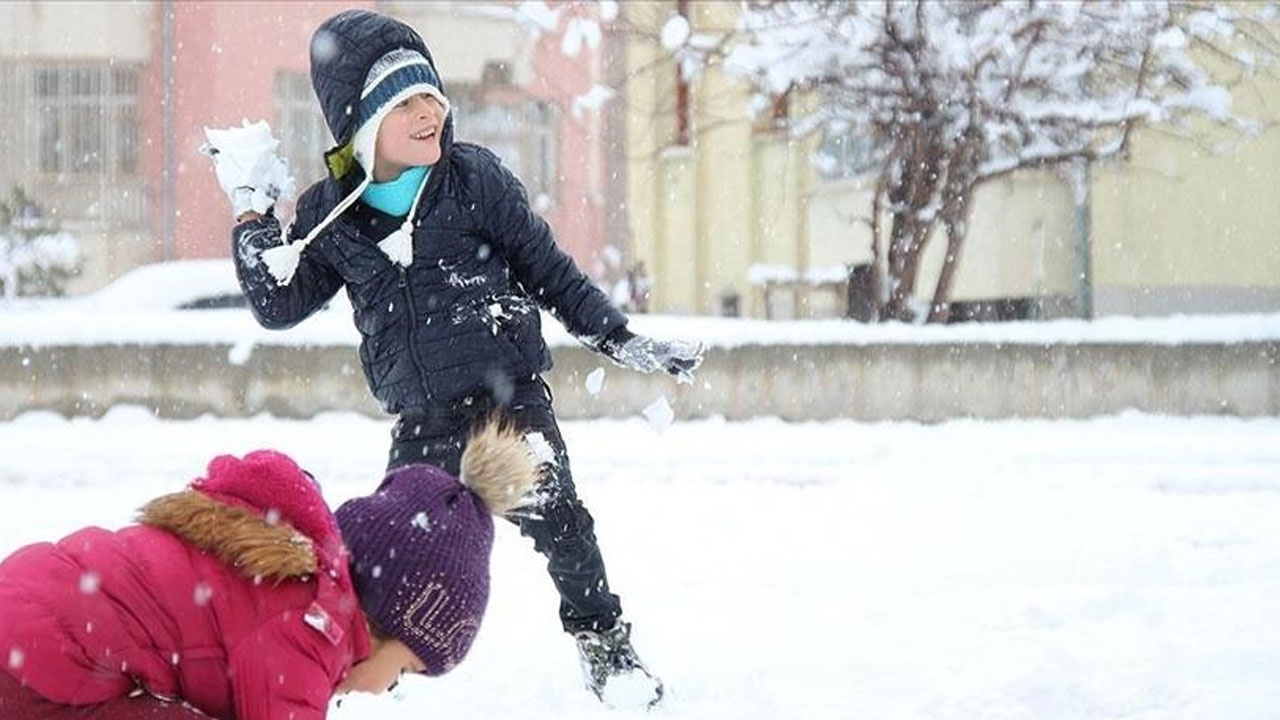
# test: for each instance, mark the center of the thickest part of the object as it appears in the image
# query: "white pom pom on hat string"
(399, 245)
(282, 261)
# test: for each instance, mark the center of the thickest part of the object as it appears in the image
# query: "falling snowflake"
(420, 521)
(540, 448)
(659, 414)
(595, 381)
(89, 582)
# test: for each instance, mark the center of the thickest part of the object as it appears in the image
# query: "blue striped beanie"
(396, 76)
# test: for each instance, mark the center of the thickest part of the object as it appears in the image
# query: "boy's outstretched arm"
(278, 306)
(560, 286)
(254, 178)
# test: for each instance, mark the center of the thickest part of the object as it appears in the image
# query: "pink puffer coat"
(233, 595)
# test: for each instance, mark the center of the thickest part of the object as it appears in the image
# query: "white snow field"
(1124, 567)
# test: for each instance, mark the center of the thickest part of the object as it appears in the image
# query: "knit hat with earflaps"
(396, 76)
(420, 545)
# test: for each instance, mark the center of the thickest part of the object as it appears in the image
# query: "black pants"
(558, 522)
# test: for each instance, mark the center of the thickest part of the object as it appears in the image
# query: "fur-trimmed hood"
(240, 537)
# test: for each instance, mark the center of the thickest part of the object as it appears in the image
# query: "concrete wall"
(921, 382)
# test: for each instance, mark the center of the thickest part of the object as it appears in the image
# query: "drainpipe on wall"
(168, 202)
(1080, 181)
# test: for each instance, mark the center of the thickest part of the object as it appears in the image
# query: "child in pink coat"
(237, 599)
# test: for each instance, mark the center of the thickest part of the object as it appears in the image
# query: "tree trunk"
(911, 191)
(957, 196)
(957, 229)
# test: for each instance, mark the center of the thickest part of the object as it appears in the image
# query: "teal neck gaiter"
(396, 197)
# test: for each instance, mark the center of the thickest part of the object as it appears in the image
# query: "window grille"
(70, 137)
(304, 136)
(519, 130)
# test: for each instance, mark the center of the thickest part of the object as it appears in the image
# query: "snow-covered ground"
(1123, 567)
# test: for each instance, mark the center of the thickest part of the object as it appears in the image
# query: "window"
(520, 130)
(844, 153)
(86, 119)
(304, 136)
(684, 127)
(70, 136)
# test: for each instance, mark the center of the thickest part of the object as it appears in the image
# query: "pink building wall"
(578, 214)
(226, 58)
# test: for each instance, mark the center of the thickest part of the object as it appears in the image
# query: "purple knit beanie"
(420, 560)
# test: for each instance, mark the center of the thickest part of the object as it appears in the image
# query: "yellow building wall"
(676, 271)
(781, 178)
(722, 139)
(1186, 226)
(701, 215)
(655, 179)
(1021, 242)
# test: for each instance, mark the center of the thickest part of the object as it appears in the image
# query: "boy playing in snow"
(446, 267)
(236, 599)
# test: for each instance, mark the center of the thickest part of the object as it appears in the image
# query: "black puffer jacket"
(463, 317)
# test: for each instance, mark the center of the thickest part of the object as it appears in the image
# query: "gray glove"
(645, 354)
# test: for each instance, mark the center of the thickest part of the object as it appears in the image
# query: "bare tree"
(956, 94)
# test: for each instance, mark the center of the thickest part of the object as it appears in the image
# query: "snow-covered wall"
(871, 381)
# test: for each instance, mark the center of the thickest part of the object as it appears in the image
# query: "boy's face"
(409, 136)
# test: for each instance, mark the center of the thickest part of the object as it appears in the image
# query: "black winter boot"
(614, 672)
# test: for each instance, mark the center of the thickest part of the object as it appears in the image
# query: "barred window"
(86, 119)
(70, 137)
(520, 130)
(304, 136)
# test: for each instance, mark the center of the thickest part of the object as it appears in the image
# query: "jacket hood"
(240, 537)
(343, 50)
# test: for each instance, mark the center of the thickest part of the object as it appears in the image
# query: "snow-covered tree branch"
(35, 258)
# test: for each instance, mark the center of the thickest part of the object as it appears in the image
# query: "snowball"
(324, 46)
(239, 353)
(675, 33)
(659, 414)
(541, 450)
(595, 381)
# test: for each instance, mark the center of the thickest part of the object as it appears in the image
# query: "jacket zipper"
(433, 181)
(413, 334)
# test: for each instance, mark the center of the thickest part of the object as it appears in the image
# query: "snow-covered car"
(173, 285)
(178, 285)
